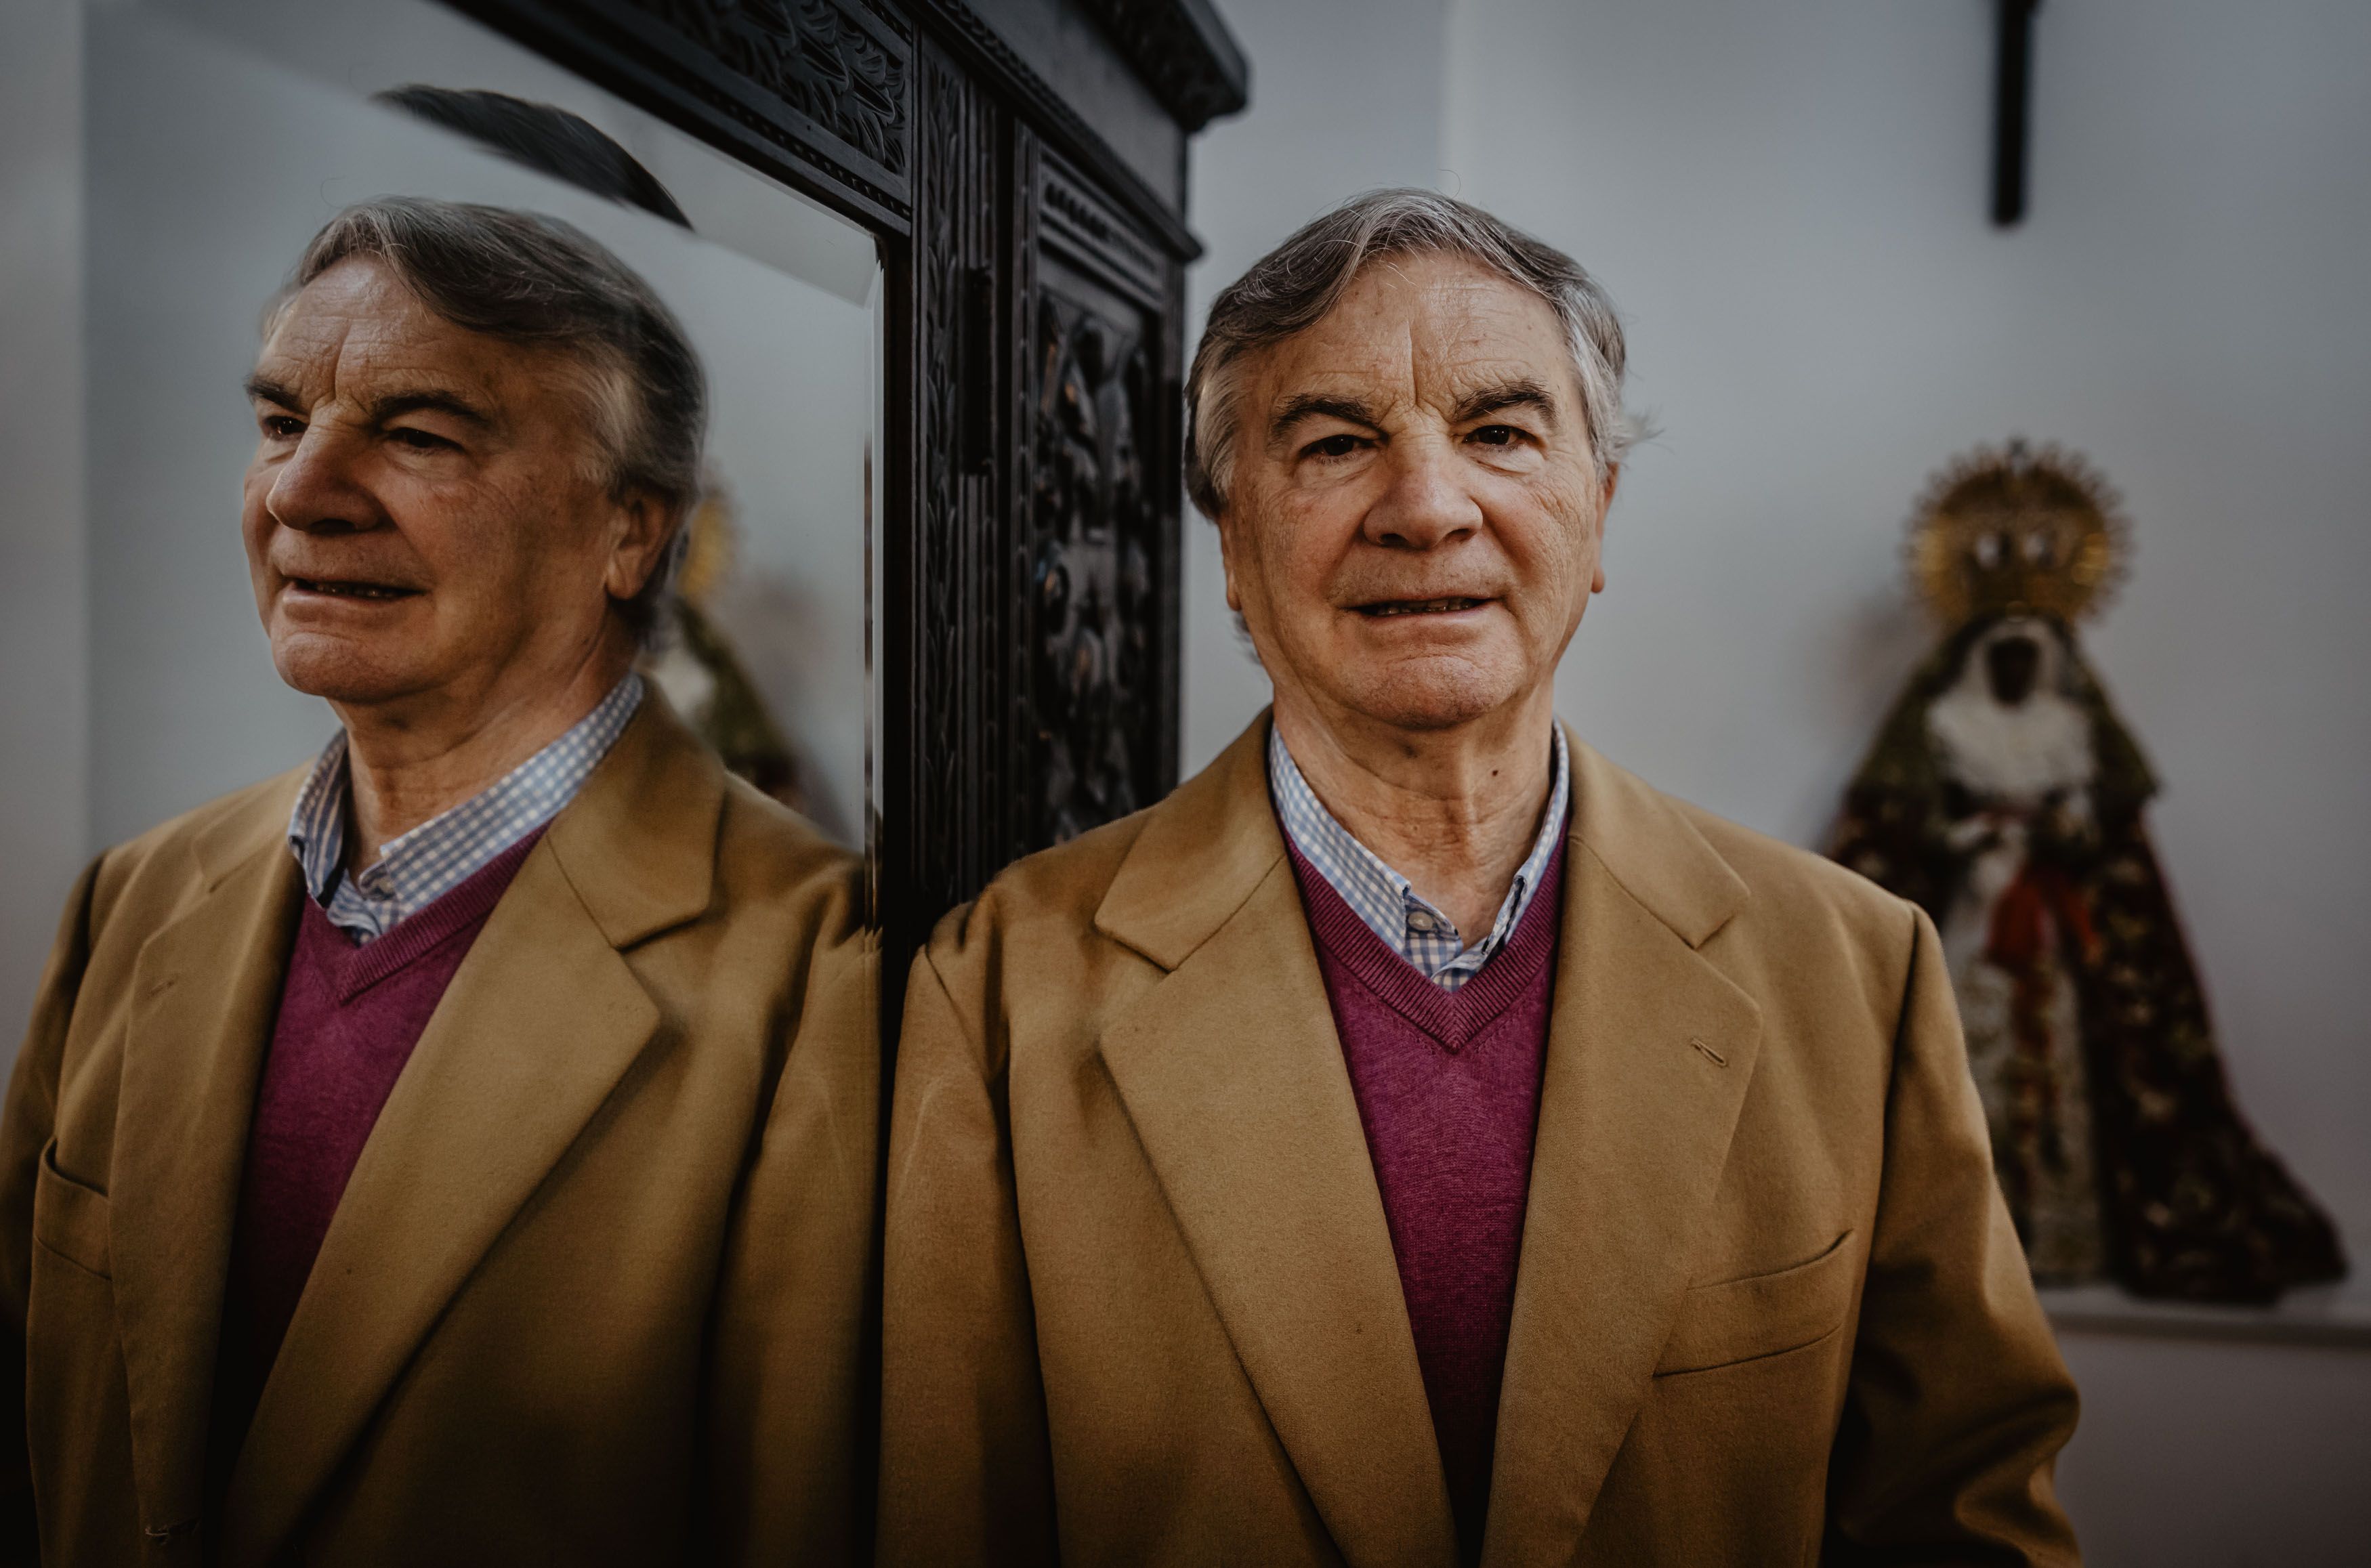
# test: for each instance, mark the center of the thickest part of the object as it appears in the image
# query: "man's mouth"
(1383, 608)
(351, 590)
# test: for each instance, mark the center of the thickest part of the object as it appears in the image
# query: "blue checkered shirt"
(420, 867)
(1383, 898)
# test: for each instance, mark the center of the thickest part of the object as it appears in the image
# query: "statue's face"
(2017, 657)
(1415, 514)
(2005, 727)
(428, 510)
(2010, 665)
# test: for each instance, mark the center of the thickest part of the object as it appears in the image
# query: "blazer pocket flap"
(69, 1217)
(1741, 1320)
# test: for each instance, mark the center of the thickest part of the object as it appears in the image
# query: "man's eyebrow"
(428, 399)
(1523, 393)
(263, 389)
(394, 406)
(1312, 405)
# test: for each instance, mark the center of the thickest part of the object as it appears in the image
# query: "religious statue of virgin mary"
(2005, 797)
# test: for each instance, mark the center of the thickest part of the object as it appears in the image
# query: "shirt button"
(1420, 921)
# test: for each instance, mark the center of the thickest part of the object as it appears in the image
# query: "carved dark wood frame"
(1000, 215)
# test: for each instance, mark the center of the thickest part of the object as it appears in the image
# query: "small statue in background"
(2006, 798)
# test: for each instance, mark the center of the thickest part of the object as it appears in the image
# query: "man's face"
(427, 514)
(1413, 524)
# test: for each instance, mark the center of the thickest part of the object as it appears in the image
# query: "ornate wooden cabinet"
(1021, 166)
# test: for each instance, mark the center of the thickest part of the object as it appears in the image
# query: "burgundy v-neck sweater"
(348, 1018)
(1448, 1085)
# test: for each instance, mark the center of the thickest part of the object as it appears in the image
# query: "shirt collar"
(417, 868)
(1384, 899)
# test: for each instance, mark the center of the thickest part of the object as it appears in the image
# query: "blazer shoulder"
(174, 858)
(1050, 893)
(1802, 893)
(767, 853)
(1828, 954)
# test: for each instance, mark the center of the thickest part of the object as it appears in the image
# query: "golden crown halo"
(2016, 528)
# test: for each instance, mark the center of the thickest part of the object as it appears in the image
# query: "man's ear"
(1224, 523)
(645, 526)
(1604, 509)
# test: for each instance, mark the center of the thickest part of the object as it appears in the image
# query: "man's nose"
(1426, 504)
(320, 490)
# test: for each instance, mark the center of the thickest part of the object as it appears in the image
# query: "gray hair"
(526, 278)
(1293, 287)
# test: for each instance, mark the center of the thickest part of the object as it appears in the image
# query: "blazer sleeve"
(26, 1126)
(1959, 1402)
(966, 1476)
(788, 1445)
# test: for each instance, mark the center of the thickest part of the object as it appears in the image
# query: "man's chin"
(1429, 700)
(337, 671)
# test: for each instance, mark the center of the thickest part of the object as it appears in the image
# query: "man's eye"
(282, 427)
(1497, 435)
(419, 440)
(1333, 447)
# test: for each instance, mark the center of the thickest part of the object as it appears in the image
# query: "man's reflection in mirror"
(461, 1148)
(692, 657)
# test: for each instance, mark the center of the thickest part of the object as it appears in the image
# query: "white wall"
(1789, 203)
(42, 638)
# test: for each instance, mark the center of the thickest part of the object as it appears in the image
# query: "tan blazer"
(597, 1289)
(1140, 1295)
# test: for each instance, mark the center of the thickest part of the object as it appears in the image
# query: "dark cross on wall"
(2012, 98)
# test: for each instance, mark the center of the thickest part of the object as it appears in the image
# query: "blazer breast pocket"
(70, 1217)
(1744, 1320)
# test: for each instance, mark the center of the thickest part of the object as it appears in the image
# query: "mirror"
(221, 137)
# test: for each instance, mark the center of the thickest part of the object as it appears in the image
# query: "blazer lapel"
(541, 1022)
(1649, 1052)
(1234, 1078)
(205, 991)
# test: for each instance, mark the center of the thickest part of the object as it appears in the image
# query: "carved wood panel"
(1045, 634)
(1029, 515)
(817, 93)
(1099, 512)
(1180, 50)
(1094, 535)
(956, 719)
(833, 64)
(1110, 313)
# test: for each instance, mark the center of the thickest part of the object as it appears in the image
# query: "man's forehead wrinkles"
(1450, 391)
(1374, 368)
(363, 367)
(1421, 345)
(378, 349)
(303, 350)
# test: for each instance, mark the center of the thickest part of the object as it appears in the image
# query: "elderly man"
(1417, 1140)
(460, 1150)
